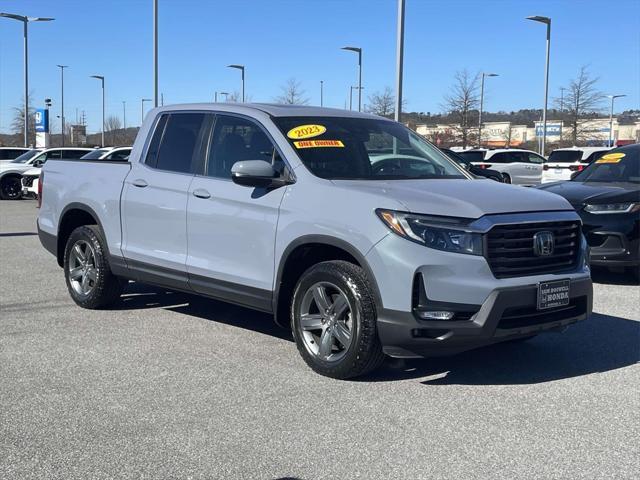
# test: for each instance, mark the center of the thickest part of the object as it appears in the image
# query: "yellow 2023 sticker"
(306, 131)
(610, 158)
(319, 144)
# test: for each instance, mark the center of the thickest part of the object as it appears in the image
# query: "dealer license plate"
(553, 294)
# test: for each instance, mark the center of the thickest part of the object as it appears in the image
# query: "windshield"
(565, 156)
(95, 154)
(619, 165)
(364, 149)
(25, 157)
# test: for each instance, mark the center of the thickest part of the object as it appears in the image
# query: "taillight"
(40, 182)
(576, 168)
(484, 166)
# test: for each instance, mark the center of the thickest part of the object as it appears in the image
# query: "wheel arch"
(304, 252)
(73, 216)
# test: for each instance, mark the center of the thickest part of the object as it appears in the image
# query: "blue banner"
(42, 120)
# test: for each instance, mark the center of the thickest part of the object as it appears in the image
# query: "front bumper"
(507, 313)
(614, 239)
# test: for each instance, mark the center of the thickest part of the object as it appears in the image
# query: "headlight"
(613, 208)
(440, 233)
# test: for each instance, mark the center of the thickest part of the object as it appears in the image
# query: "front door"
(231, 228)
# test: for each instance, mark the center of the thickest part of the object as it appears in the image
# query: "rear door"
(154, 200)
(232, 228)
(533, 168)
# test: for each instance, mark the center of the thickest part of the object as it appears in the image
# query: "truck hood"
(458, 198)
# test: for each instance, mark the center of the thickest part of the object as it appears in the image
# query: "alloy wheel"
(83, 274)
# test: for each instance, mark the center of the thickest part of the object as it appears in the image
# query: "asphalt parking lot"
(167, 385)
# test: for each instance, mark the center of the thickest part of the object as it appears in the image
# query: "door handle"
(201, 193)
(139, 182)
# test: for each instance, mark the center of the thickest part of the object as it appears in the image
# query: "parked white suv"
(520, 167)
(563, 162)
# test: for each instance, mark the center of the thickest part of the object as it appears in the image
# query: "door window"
(119, 155)
(533, 158)
(174, 146)
(235, 139)
(502, 157)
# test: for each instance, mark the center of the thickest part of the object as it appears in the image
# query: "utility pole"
(155, 53)
(399, 60)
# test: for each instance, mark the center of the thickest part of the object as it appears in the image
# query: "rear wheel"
(86, 268)
(334, 318)
(10, 187)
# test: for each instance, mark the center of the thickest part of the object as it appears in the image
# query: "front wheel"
(10, 187)
(86, 269)
(506, 178)
(333, 318)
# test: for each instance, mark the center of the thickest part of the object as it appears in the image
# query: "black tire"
(106, 288)
(506, 178)
(364, 353)
(10, 187)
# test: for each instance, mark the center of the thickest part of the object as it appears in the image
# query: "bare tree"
(382, 103)
(582, 98)
(235, 97)
(17, 124)
(292, 94)
(462, 100)
(113, 127)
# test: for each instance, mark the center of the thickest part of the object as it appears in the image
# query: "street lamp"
(612, 97)
(351, 89)
(482, 105)
(226, 94)
(101, 78)
(62, 67)
(241, 68)
(155, 53)
(142, 109)
(25, 20)
(358, 50)
(547, 22)
(321, 93)
(399, 66)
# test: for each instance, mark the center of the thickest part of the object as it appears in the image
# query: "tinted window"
(364, 149)
(472, 156)
(53, 154)
(503, 157)
(10, 154)
(235, 139)
(73, 154)
(565, 156)
(178, 142)
(154, 145)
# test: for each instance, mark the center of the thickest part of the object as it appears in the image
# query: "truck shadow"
(599, 344)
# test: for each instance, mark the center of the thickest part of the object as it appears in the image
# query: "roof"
(583, 149)
(273, 110)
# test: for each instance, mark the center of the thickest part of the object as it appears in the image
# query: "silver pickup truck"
(351, 229)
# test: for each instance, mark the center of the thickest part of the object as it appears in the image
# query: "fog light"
(435, 315)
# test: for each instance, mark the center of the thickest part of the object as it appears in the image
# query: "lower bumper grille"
(27, 181)
(510, 249)
(519, 317)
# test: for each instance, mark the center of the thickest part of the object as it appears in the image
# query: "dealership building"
(502, 134)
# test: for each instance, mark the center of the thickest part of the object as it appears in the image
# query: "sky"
(281, 39)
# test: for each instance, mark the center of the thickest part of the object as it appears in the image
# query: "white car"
(31, 178)
(563, 162)
(11, 172)
(520, 167)
(11, 153)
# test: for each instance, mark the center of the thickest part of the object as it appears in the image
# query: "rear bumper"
(507, 313)
(48, 241)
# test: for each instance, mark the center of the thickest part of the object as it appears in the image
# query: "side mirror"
(37, 164)
(254, 173)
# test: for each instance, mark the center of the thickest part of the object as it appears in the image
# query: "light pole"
(226, 94)
(547, 22)
(399, 64)
(322, 93)
(124, 115)
(612, 97)
(351, 89)
(241, 68)
(62, 67)
(155, 53)
(482, 105)
(25, 20)
(142, 109)
(101, 78)
(358, 50)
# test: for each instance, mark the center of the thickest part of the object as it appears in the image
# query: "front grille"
(510, 249)
(519, 317)
(27, 180)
